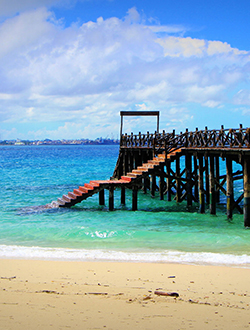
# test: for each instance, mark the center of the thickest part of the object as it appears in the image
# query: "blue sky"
(67, 68)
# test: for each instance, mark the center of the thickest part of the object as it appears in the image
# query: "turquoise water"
(159, 231)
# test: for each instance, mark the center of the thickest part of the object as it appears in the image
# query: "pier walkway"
(151, 162)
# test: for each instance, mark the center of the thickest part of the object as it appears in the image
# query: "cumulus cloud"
(187, 47)
(80, 77)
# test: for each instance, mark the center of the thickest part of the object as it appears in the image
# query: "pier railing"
(222, 138)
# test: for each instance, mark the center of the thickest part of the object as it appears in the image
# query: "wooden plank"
(139, 113)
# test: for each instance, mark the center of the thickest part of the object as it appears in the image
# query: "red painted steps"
(89, 189)
(145, 168)
(95, 186)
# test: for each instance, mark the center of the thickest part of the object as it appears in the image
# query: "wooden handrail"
(220, 138)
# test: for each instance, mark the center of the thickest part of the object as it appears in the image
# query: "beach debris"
(106, 285)
(171, 276)
(48, 291)
(170, 294)
(118, 294)
(147, 298)
(204, 303)
(98, 293)
(8, 278)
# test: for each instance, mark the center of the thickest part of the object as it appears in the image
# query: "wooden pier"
(152, 161)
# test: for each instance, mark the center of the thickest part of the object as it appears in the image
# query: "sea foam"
(64, 254)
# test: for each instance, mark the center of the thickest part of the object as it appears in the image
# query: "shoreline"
(42, 294)
(106, 255)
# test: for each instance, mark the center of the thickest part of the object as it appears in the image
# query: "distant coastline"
(98, 141)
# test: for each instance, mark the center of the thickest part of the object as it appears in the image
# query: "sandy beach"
(114, 295)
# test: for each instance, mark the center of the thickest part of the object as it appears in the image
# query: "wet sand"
(114, 295)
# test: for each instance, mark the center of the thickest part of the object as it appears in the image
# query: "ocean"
(159, 231)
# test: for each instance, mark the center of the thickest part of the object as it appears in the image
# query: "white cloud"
(22, 33)
(83, 76)
(187, 47)
(169, 29)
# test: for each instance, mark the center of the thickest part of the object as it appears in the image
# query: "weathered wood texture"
(153, 162)
(223, 138)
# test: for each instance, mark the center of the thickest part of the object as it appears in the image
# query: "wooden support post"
(212, 187)
(130, 161)
(101, 197)
(178, 188)
(152, 185)
(144, 184)
(196, 189)
(134, 198)
(168, 171)
(162, 183)
(135, 159)
(188, 166)
(230, 197)
(217, 174)
(123, 195)
(246, 172)
(201, 185)
(111, 198)
(124, 163)
(207, 180)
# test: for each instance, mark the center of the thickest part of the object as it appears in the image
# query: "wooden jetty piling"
(201, 185)
(101, 197)
(212, 187)
(185, 166)
(188, 165)
(111, 198)
(123, 196)
(246, 170)
(229, 180)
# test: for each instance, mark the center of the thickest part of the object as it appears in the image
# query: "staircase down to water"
(127, 181)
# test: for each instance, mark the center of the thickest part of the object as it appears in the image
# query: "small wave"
(195, 258)
(37, 209)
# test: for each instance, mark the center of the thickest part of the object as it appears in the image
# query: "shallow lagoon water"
(159, 231)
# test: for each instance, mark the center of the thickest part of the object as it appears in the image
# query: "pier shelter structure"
(151, 161)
